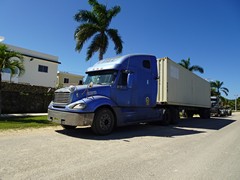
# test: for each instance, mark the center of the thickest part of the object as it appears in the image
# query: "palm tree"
(186, 64)
(217, 87)
(95, 25)
(12, 61)
(213, 91)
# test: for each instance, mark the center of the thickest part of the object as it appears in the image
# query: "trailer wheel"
(205, 114)
(174, 116)
(68, 127)
(189, 114)
(103, 122)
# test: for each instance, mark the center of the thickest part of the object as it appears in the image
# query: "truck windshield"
(101, 77)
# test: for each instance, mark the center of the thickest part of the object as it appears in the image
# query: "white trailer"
(179, 87)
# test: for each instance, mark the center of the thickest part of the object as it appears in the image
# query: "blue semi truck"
(131, 89)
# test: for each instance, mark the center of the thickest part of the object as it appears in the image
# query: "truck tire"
(166, 118)
(68, 127)
(190, 114)
(103, 122)
(174, 116)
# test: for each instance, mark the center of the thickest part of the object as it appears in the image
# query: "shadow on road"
(140, 130)
(213, 123)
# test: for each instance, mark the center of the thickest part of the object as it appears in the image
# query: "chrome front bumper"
(71, 119)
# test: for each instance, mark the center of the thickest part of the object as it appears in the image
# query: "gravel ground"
(195, 149)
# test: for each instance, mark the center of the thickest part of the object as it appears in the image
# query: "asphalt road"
(195, 149)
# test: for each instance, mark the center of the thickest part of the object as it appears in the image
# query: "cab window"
(123, 79)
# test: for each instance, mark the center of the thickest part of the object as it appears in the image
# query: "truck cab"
(117, 91)
(216, 108)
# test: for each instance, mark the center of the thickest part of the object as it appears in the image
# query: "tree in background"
(217, 86)
(11, 61)
(95, 25)
(216, 89)
(186, 64)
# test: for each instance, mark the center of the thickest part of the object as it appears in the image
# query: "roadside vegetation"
(12, 62)
(7, 123)
(217, 88)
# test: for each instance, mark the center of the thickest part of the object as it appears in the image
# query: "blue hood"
(83, 91)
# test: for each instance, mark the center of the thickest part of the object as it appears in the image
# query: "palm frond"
(112, 13)
(94, 46)
(185, 63)
(217, 85)
(11, 60)
(224, 91)
(93, 2)
(85, 16)
(83, 33)
(116, 38)
(103, 45)
(196, 68)
(17, 67)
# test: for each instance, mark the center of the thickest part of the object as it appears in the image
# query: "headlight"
(79, 106)
(72, 88)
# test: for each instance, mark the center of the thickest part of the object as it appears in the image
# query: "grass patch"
(24, 122)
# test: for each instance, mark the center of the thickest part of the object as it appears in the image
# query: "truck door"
(138, 96)
(123, 93)
(124, 96)
(146, 86)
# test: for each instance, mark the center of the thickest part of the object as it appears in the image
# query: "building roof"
(34, 54)
(67, 73)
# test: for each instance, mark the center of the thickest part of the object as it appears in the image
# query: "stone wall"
(20, 98)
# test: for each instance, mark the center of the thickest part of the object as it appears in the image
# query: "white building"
(40, 69)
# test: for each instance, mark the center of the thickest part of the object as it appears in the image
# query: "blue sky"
(207, 31)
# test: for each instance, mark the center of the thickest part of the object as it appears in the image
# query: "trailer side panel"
(179, 86)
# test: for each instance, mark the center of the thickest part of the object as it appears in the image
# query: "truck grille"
(62, 98)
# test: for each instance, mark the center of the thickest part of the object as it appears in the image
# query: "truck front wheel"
(103, 122)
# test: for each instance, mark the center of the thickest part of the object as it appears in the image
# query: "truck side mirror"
(130, 80)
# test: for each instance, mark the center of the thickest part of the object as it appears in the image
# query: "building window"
(66, 80)
(80, 82)
(42, 68)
